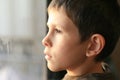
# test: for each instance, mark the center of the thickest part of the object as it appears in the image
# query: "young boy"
(81, 35)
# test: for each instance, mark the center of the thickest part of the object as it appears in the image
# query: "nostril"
(46, 42)
(43, 42)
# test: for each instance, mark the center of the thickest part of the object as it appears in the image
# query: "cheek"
(68, 53)
(64, 46)
(61, 51)
(69, 58)
(67, 47)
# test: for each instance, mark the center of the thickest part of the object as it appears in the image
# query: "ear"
(95, 45)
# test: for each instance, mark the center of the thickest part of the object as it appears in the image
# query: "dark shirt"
(94, 76)
(107, 75)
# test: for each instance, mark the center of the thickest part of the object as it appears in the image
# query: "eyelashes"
(58, 30)
(55, 30)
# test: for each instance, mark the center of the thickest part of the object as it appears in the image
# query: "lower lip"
(47, 57)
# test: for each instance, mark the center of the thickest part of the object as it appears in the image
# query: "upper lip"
(46, 53)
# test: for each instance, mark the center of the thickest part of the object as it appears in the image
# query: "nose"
(47, 41)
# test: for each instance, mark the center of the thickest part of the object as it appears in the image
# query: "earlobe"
(95, 45)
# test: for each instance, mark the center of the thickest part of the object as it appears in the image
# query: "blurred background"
(22, 28)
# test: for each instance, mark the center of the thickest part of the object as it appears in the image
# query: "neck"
(85, 68)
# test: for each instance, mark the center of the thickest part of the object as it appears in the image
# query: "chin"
(54, 69)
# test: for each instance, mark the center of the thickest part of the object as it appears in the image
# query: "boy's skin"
(64, 49)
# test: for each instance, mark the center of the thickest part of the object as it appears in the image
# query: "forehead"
(59, 17)
(57, 14)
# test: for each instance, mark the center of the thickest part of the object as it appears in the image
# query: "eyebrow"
(55, 26)
(50, 24)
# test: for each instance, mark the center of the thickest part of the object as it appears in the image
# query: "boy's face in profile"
(63, 48)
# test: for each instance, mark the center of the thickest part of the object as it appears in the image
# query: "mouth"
(48, 57)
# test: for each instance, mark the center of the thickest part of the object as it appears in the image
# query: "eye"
(57, 31)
